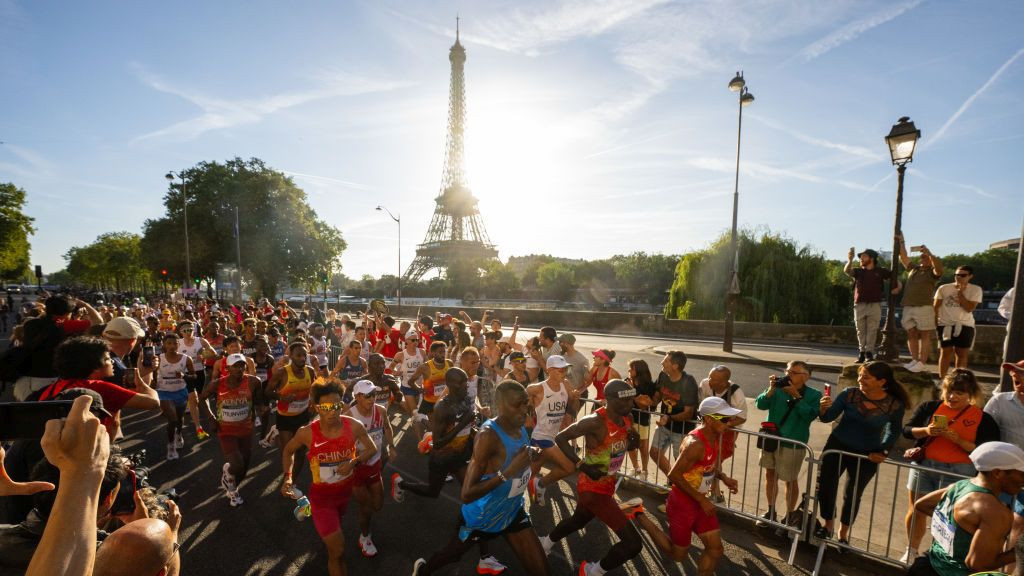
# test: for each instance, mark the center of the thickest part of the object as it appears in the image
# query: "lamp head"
(737, 83)
(902, 140)
(747, 98)
(170, 176)
(379, 208)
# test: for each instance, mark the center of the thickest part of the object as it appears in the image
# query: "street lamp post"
(902, 140)
(170, 176)
(398, 220)
(737, 84)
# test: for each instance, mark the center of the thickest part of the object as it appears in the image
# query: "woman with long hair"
(640, 378)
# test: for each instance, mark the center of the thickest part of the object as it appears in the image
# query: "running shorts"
(179, 397)
(520, 522)
(291, 423)
(685, 517)
(605, 508)
(367, 474)
(328, 508)
(426, 407)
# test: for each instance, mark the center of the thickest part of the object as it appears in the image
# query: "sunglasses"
(329, 407)
(519, 361)
(720, 418)
(961, 275)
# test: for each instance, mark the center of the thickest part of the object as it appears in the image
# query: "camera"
(781, 382)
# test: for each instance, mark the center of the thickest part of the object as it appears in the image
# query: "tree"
(112, 261)
(994, 269)
(281, 237)
(15, 228)
(650, 273)
(556, 281)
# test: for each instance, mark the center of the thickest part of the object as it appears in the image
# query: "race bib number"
(518, 485)
(298, 405)
(942, 532)
(616, 462)
(329, 474)
(234, 413)
(705, 482)
(440, 389)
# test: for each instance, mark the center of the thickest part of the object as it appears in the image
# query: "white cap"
(556, 361)
(716, 405)
(997, 456)
(122, 328)
(364, 387)
(235, 359)
(412, 334)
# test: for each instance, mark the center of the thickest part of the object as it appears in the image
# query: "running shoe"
(366, 546)
(264, 444)
(449, 478)
(271, 436)
(234, 499)
(632, 507)
(490, 565)
(587, 568)
(918, 367)
(397, 494)
(536, 490)
(202, 434)
(547, 544)
(227, 480)
(179, 442)
(424, 445)
(419, 563)
(258, 422)
(172, 451)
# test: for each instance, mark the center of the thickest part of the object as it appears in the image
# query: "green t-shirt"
(950, 542)
(920, 286)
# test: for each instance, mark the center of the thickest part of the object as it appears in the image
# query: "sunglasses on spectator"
(333, 407)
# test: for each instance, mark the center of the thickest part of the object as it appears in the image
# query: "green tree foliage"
(779, 282)
(112, 262)
(556, 281)
(281, 237)
(994, 269)
(651, 273)
(15, 228)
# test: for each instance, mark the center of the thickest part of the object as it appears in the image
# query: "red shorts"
(230, 443)
(685, 517)
(328, 508)
(605, 508)
(367, 474)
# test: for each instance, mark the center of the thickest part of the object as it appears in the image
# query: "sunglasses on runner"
(720, 418)
(329, 407)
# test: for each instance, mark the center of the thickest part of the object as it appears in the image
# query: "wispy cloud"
(328, 180)
(854, 29)
(853, 150)
(970, 100)
(219, 113)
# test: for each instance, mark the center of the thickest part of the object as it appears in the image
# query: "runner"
(318, 347)
(232, 345)
(173, 393)
(433, 375)
(550, 401)
(368, 485)
(291, 388)
(333, 458)
(387, 384)
(196, 348)
(494, 486)
(608, 435)
(236, 395)
(264, 363)
(249, 337)
(407, 361)
(689, 509)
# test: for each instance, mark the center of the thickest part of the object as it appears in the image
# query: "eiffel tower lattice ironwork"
(456, 230)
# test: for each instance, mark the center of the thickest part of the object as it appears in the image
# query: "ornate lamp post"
(737, 84)
(170, 176)
(902, 140)
(398, 220)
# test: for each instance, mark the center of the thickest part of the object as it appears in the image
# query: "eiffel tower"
(456, 231)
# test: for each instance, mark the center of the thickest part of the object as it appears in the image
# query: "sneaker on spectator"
(918, 367)
(172, 452)
(536, 490)
(397, 494)
(910, 365)
(490, 565)
(767, 517)
(366, 546)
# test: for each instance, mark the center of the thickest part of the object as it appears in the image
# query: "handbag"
(916, 454)
(772, 429)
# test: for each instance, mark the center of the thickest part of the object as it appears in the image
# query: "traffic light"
(197, 281)
(325, 278)
(163, 273)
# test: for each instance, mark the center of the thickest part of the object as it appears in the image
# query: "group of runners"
(506, 440)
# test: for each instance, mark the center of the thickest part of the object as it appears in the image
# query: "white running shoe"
(258, 422)
(490, 565)
(918, 367)
(179, 442)
(419, 563)
(172, 452)
(234, 499)
(271, 436)
(547, 544)
(366, 546)
(227, 481)
(397, 494)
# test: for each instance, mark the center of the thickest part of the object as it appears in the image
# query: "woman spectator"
(602, 371)
(947, 431)
(640, 378)
(872, 416)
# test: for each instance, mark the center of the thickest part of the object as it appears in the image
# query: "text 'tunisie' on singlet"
(171, 374)
(494, 511)
(297, 386)
(374, 424)
(609, 455)
(234, 408)
(327, 454)
(550, 412)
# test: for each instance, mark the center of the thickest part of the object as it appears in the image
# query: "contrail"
(967, 103)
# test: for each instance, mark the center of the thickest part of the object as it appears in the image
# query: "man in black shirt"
(677, 392)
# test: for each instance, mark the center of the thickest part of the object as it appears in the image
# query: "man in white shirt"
(954, 310)
(718, 384)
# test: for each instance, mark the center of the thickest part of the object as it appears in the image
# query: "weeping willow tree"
(779, 282)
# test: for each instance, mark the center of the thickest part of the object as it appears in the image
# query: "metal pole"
(1013, 348)
(399, 220)
(238, 256)
(184, 211)
(729, 297)
(889, 351)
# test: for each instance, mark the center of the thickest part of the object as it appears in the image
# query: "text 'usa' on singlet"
(551, 412)
(410, 363)
(495, 511)
(609, 455)
(297, 386)
(326, 455)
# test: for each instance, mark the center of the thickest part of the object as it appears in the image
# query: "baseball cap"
(567, 338)
(123, 328)
(412, 334)
(556, 361)
(872, 253)
(1019, 366)
(517, 355)
(716, 405)
(97, 401)
(997, 456)
(235, 359)
(364, 387)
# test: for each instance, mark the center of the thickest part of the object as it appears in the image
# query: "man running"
(368, 486)
(333, 459)
(689, 510)
(196, 348)
(551, 400)
(237, 396)
(318, 347)
(407, 361)
(493, 488)
(173, 392)
(433, 375)
(608, 435)
(290, 386)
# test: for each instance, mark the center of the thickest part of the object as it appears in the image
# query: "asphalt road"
(262, 537)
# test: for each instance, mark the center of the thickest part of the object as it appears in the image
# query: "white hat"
(718, 406)
(122, 328)
(556, 361)
(364, 387)
(997, 456)
(235, 359)
(412, 334)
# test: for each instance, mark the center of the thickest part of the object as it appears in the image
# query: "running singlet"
(171, 376)
(599, 383)
(193, 351)
(703, 472)
(277, 350)
(550, 412)
(410, 362)
(461, 440)
(608, 455)
(263, 368)
(218, 347)
(495, 511)
(234, 408)
(374, 424)
(326, 455)
(434, 387)
(950, 542)
(298, 386)
(349, 371)
(319, 350)
(248, 347)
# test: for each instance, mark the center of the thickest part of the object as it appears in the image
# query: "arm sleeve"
(114, 396)
(891, 433)
(807, 409)
(921, 417)
(762, 402)
(988, 430)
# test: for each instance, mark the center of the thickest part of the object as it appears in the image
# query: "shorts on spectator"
(685, 516)
(786, 461)
(963, 340)
(178, 397)
(643, 431)
(665, 440)
(919, 317)
(291, 423)
(605, 508)
(921, 483)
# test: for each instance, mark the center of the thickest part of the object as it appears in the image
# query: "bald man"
(146, 546)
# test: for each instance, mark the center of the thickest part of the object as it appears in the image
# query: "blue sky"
(594, 128)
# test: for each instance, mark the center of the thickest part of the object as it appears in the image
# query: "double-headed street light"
(398, 220)
(902, 140)
(737, 84)
(170, 176)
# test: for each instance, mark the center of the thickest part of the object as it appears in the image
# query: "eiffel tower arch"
(456, 232)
